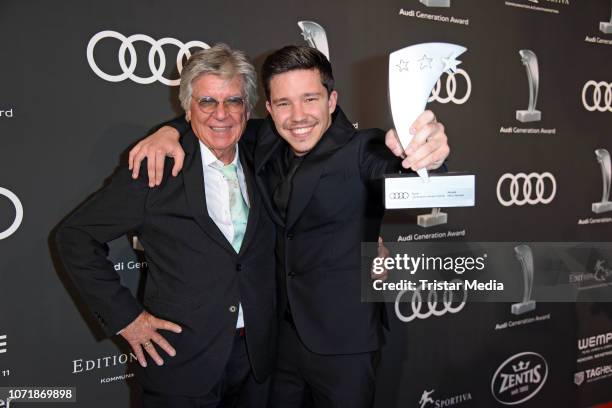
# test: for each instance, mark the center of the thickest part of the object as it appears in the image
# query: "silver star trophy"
(413, 73)
(529, 59)
(525, 257)
(315, 36)
(603, 157)
(606, 26)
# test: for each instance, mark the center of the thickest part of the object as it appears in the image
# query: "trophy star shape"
(315, 36)
(409, 90)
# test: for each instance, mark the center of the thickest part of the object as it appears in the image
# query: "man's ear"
(269, 107)
(333, 100)
(188, 116)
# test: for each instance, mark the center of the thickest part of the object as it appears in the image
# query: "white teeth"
(301, 131)
(219, 129)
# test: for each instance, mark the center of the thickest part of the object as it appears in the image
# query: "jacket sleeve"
(81, 240)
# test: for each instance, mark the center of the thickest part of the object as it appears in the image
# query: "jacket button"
(239, 267)
(232, 309)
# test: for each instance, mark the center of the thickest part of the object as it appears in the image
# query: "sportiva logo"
(156, 58)
(427, 400)
(519, 378)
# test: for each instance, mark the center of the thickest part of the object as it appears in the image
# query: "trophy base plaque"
(436, 3)
(524, 307)
(430, 220)
(602, 207)
(528, 116)
(605, 27)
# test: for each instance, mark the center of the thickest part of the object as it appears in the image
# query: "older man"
(320, 180)
(209, 244)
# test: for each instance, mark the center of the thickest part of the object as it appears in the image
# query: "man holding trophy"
(320, 180)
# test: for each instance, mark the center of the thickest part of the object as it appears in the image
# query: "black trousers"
(306, 379)
(236, 389)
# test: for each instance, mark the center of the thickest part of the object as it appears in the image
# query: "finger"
(433, 160)
(179, 158)
(422, 120)
(393, 143)
(133, 153)
(163, 343)
(137, 159)
(167, 325)
(139, 354)
(160, 159)
(151, 170)
(154, 355)
(433, 132)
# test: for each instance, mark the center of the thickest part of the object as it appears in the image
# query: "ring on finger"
(146, 344)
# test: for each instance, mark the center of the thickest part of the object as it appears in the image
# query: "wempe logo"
(594, 341)
(519, 378)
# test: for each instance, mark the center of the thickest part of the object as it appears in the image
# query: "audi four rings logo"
(431, 306)
(18, 213)
(155, 53)
(399, 195)
(601, 97)
(451, 89)
(531, 194)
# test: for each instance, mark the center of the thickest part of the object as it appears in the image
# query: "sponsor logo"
(3, 342)
(426, 400)
(423, 310)
(18, 213)
(579, 378)
(600, 275)
(597, 96)
(594, 341)
(451, 89)
(80, 365)
(531, 194)
(593, 374)
(519, 378)
(156, 58)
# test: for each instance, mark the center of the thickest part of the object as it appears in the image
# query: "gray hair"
(223, 61)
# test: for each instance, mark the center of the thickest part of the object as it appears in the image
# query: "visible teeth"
(219, 129)
(301, 131)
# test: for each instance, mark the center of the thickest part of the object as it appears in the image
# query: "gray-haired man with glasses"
(210, 293)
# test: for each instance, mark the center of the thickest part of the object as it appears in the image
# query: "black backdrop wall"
(66, 118)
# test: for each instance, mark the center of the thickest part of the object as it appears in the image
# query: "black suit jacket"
(336, 203)
(195, 277)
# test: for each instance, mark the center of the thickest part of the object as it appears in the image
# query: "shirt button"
(232, 309)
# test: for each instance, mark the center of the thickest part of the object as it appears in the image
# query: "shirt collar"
(208, 157)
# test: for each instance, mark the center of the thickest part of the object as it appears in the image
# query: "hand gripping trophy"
(413, 73)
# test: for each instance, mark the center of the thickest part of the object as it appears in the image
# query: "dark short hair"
(294, 57)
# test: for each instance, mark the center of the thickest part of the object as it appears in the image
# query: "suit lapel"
(193, 178)
(254, 199)
(267, 149)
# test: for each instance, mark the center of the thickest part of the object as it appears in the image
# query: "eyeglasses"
(233, 104)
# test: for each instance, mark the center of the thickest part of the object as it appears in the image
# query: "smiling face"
(221, 129)
(301, 108)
